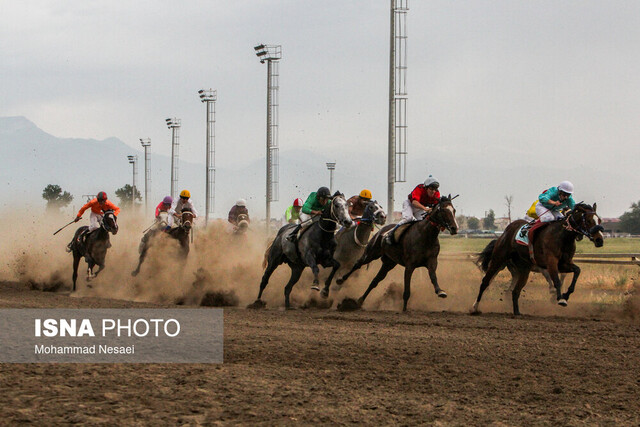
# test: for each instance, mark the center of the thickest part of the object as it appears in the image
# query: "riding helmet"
(431, 182)
(241, 203)
(102, 196)
(167, 200)
(323, 192)
(185, 193)
(566, 187)
(365, 194)
(298, 202)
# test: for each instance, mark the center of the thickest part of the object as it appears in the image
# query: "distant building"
(612, 226)
(501, 223)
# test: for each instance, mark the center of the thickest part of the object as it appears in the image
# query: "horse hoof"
(339, 281)
(324, 293)
(134, 273)
(562, 302)
(442, 294)
(315, 287)
(475, 312)
(257, 304)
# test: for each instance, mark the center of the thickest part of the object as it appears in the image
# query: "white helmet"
(241, 202)
(431, 181)
(566, 186)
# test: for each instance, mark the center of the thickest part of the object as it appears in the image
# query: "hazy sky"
(542, 82)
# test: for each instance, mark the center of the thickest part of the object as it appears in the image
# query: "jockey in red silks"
(418, 204)
(165, 207)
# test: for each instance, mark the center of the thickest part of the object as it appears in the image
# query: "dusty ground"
(323, 366)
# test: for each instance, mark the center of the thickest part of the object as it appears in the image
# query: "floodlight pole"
(271, 54)
(146, 143)
(210, 96)
(331, 166)
(174, 125)
(134, 161)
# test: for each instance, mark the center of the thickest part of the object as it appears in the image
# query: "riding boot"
(293, 237)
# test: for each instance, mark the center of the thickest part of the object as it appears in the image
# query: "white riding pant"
(94, 221)
(547, 215)
(410, 213)
(304, 217)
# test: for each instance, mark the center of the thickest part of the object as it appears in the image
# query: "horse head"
(583, 219)
(338, 210)
(186, 219)
(374, 213)
(109, 222)
(444, 214)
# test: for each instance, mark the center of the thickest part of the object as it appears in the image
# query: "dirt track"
(328, 367)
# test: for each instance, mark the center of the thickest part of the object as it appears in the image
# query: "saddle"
(525, 236)
(398, 232)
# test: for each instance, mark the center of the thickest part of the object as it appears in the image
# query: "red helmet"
(102, 196)
(298, 202)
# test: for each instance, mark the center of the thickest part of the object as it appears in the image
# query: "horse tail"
(485, 256)
(265, 261)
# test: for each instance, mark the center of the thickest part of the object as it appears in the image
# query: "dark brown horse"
(180, 233)
(418, 247)
(553, 248)
(95, 245)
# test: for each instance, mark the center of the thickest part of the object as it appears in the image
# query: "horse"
(417, 247)
(553, 248)
(180, 233)
(94, 248)
(315, 247)
(352, 241)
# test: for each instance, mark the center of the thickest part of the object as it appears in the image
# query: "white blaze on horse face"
(453, 214)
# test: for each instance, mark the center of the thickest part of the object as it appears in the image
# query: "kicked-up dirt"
(328, 367)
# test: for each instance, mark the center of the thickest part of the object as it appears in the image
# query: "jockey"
(553, 201)
(99, 205)
(417, 205)
(240, 208)
(165, 206)
(182, 203)
(312, 207)
(356, 204)
(292, 214)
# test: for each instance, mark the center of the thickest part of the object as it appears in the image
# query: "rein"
(581, 228)
(333, 219)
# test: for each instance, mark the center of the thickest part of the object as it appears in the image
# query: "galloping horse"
(315, 247)
(352, 241)
(417, 247)
(553, 248)
(94, 248)
(180, 233)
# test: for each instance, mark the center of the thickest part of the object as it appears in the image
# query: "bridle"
(437, 221)
(570, 224)
(332, 217)
(108, 228)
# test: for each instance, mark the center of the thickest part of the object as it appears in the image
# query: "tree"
(489, 222)
(124, 194)
(55, 198)
(462, 221)
(473, 223)
(509, 200)
(630, 221)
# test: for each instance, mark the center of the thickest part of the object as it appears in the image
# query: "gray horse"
(352, 241)
(315, 247)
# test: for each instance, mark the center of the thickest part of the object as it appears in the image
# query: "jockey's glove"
(78, 218)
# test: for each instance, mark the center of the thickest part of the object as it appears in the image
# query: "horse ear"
(449, 196)
(595, 206)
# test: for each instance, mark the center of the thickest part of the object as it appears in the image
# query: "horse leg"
(576, 273)
(366, 258)
(143, 255)
(271, 267)
(408, 271)
(327, 283)
(310, 260)
(387, 265)
(494, 268)
(521, 280)
(432, 265)
(552, 267)
(296, 272)
(76, 262)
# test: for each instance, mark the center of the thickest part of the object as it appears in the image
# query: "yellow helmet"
(185, 193)
(365, 194)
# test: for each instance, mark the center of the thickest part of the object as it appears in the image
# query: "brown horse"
(95, 245)
(553, 248)
(418, 247)
(180, 233)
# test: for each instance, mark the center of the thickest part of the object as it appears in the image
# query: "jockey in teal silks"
(553, 201)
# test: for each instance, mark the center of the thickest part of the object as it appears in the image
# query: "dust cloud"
(225, 270)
